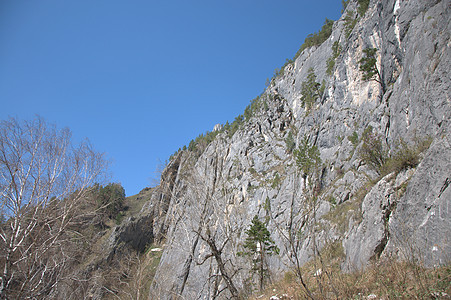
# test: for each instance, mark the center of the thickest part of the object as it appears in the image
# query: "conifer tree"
(258, 245)
(307, 157)
(310, 90)
(369, 68)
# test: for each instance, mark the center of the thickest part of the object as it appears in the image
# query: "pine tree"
(310, 90)
(258, 245)
(307, 157)
(369, 68)
(289, 142)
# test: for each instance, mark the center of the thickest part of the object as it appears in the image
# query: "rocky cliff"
(208, 197)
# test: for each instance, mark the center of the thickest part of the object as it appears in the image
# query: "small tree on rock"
(310, 90)
(290, 142)
(369, 68)
(308, 158)
(258, 245)
(372, 151)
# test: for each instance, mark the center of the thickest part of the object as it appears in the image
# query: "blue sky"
(140, 79)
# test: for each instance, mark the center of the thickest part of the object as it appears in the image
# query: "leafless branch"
(43, 177)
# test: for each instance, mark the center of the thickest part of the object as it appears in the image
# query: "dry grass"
(384, 279)
(135, 203)
(132, 278)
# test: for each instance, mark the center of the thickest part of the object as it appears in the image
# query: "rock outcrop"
(213, 195)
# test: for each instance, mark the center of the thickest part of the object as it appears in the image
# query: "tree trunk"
(221, 265)
(262, 275)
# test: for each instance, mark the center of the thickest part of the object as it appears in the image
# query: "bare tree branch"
(43, 177)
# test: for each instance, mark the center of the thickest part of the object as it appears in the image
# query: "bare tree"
(217, 233)
(216, 252)
(298, 220)
(43, 177)
(205, 227)
(301, 226)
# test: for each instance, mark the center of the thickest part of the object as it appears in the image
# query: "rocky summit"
(348, 148)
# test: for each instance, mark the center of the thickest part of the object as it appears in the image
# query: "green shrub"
(354, 138)
(173, 155)
(119, 217)
(372, 151)
(331, 199)
(363, 7)
(317, 38)
(110, 199)
(287, 62)
(198, 145)
(290, 143)
(350, 22)
(267, 205)
(276, 181)
(368, 65)
(313, 39)
(322, 88)
(307, 157)
(336, 49)
(310, 90)
(255, 106)
(405, 156)
(236, 125)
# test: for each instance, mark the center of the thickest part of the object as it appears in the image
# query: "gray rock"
(252, 172)
(421, 225)
(368, 240)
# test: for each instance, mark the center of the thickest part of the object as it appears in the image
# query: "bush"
(363, 7)
(317, 38)
(276, 181)
(350, 22)
(290, 143)
(111, 199)
(322, 88)
(255, 106)
(354, 138)
(336, 49)
(236, 125)
(310, 90)
(375, 155)
(173, 155)
(287, 62)
(198, 145)
(372, 151)
(405, 156)
(307, 157)
(368, 64)
(384, 279)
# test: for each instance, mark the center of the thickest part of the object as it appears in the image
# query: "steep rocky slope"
(207, 200)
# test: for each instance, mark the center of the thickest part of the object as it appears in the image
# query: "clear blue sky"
(142, 78)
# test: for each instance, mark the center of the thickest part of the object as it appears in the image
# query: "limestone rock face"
(368, 240)
(212, 194)
(420, 227)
